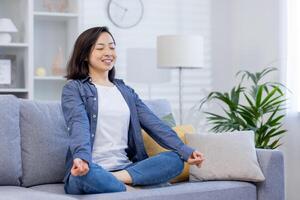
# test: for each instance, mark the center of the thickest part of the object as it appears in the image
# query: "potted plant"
(257, 107)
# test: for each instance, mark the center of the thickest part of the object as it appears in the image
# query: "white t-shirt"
(112, 129)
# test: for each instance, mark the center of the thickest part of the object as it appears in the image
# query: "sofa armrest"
(272, 166)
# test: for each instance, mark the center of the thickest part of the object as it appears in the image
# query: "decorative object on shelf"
(182, 52)
(56, 5)
(142, 68)
(8, 71)
(62, 5)
(6, 27)
(57, 68)
(125, 13)
(260, 110)
(40, 71)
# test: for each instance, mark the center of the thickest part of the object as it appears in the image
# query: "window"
(293, 52)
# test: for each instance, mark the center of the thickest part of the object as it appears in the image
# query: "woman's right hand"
(80, 167)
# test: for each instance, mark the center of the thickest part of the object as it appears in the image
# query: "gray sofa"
(34, 142)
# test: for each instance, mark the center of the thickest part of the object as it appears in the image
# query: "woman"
(104, 119)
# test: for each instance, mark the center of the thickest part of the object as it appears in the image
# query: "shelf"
(49, 78)
(21, 45)
(13, 90)
(47, 33)
(55, 15)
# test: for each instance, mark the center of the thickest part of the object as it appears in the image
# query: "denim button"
(68, 129)
(95, 99)
(93, 135)
(94, 116)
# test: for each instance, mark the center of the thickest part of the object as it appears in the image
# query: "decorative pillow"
(153, 148)
(169, 120)
(228, 156)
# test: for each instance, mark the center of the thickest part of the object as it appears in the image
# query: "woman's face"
(103, 55)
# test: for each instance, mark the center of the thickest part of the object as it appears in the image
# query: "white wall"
(222, 44)
(245, 36)
(160, 17)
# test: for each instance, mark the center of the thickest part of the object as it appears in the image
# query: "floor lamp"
(181, 52)
(142, 68)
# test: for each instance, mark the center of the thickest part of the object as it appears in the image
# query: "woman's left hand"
(196, 158)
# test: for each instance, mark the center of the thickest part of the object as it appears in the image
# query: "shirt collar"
(88, 78)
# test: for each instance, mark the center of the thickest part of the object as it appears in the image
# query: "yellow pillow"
(152, 148)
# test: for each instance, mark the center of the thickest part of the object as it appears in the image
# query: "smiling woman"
(107, 152)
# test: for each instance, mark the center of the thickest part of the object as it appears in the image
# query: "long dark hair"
(77, 66)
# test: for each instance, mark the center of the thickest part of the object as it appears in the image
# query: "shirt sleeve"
(77, 122)
(159, 131)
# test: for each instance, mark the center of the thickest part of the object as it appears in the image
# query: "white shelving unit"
(46, 34)
(54, 35)
(18, 11)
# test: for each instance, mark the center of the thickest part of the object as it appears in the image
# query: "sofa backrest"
(44, 141)
(35, 140)
(10, 149)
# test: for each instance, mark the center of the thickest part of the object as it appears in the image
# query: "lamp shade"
(184, 51)
(7, 26)
(142, 67)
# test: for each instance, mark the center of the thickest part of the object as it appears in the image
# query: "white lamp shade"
(7, 26)
(180, 51)
(142, 67)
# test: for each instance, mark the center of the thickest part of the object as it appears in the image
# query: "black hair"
(77, 66)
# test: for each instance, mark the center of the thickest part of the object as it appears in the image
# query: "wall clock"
(125, 13)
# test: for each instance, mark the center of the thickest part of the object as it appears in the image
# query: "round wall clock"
(125, 13)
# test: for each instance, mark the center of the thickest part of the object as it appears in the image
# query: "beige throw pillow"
(228, 156)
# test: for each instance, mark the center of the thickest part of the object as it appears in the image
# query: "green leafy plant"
(261, 110)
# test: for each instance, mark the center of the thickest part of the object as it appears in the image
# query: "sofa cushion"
(20, 193)
(189, 191)
(57, 188)
(210, 190)
(44, 141)
(10, 156)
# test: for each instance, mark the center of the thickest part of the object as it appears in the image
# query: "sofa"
(34, 142)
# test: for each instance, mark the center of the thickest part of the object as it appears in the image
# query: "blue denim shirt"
(80, 109)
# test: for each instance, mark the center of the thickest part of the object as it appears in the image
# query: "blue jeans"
(151, 171)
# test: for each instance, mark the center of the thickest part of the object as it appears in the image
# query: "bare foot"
(123, 176)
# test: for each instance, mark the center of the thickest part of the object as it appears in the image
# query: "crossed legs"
(154, 170)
